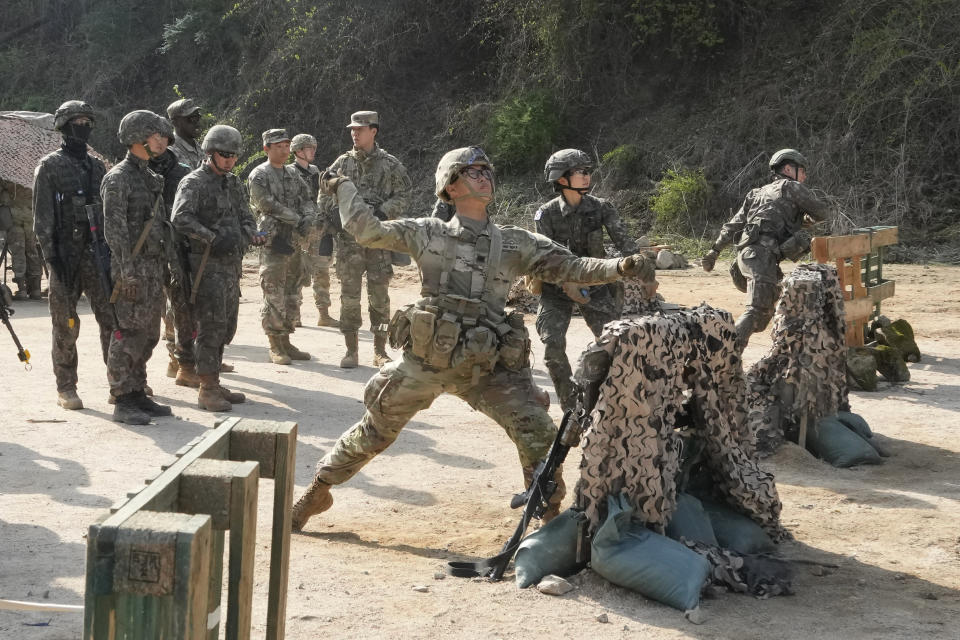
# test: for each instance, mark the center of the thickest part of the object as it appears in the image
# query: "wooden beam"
(830, 248)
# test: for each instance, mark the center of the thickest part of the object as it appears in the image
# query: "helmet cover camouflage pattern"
(70, 110)
(563, 161)
(452, 162)
(787, 155)
(167, 130)
(302, 140)
(223, 138)
(137, 126)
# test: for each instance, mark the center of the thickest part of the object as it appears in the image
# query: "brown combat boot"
(173, 367)
(326, 320)
(69, 400)
(187, 375)
(21, 293)
(233, 397)
(278, 354)
(226, 368)
(292, 351)
(210, 397)
(316, 500)
(352, 359)
(33, 286)
(380, 356)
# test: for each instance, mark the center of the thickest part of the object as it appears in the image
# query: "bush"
(622, 165)
(680, 203)
(522, 131)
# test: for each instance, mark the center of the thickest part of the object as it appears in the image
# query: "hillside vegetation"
(682, 100)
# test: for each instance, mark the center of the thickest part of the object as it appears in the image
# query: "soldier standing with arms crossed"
(383, 183)
(66, 183)
(213, 211)
(457, 338)
(280, 197)
(133, 215)
(318, 250)
(576, 220)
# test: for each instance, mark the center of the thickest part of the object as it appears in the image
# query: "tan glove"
(637, 266)
(329, 181)
(128, 287)
(708, 261)
(575, 291)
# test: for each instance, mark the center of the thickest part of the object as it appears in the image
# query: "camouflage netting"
(804, 372)
(25, 137)
(636, 379)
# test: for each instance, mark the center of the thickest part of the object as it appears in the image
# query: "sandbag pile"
(804, 372)
(891, 346)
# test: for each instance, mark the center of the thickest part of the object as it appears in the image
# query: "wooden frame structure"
(859, 261)
(155, 562)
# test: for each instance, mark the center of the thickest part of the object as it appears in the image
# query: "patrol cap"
(184, 107)
(271, 136)
(364, 119)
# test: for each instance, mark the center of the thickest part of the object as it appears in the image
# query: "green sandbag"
(630, 555)
(862, 368)
(736, 531)
(891, 365)
(834, 442)
(855, 423)
(690, 521)
(551, 550)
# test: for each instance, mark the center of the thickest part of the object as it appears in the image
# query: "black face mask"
(75, 138)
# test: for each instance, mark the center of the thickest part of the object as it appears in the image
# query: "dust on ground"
(442, 490)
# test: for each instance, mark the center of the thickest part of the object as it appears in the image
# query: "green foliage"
(689, 26)
(522, 131)
(621, 165)
(680, 202)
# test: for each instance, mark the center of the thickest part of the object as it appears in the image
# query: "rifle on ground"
(6, 310)
(535, 501)
(101, 260)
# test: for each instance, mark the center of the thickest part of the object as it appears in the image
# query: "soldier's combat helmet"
(70, 110)
(451, 164)
(302, 140)
(137, 126)
(223, 138)
(563, 161)
(785, 156)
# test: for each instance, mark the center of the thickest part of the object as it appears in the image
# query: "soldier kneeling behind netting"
(768, 227)
(457, 338)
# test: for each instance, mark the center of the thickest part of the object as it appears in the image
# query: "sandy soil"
(442, 492)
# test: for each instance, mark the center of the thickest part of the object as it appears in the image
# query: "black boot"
(126, 410)
(147, 405)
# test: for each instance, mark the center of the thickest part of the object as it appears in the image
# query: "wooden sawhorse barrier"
(859, 260)
(155, 563)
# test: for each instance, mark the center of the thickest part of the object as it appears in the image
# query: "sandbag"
(736, 531)
(855, 423)
(834, 442)
(690, 521)
(551, 550)
(628, 554)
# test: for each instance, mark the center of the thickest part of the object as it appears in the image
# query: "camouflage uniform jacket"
(279, 196)
(310, 175)
(381, 180)
(430, 241)
(73, 182)
(771, 214)
(208, 205)
(189, 153)
(580, 228)
(130, 191)
(18, 199)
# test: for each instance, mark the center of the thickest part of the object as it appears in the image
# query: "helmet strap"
(215, 165)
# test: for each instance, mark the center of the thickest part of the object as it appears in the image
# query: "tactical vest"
(448, 331)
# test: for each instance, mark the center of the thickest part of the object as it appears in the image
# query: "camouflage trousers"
(280, 280)
(66, 322)
(139, 327)
(352, 262)
(22, 247)
(404, 387)
(178, 328)
(215, 312)
(761, 269)
(317, 261)
(553, 320)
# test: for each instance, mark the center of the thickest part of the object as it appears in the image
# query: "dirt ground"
(442, 492)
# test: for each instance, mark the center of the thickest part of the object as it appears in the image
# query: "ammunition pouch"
(282, 241)
(515, 344)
